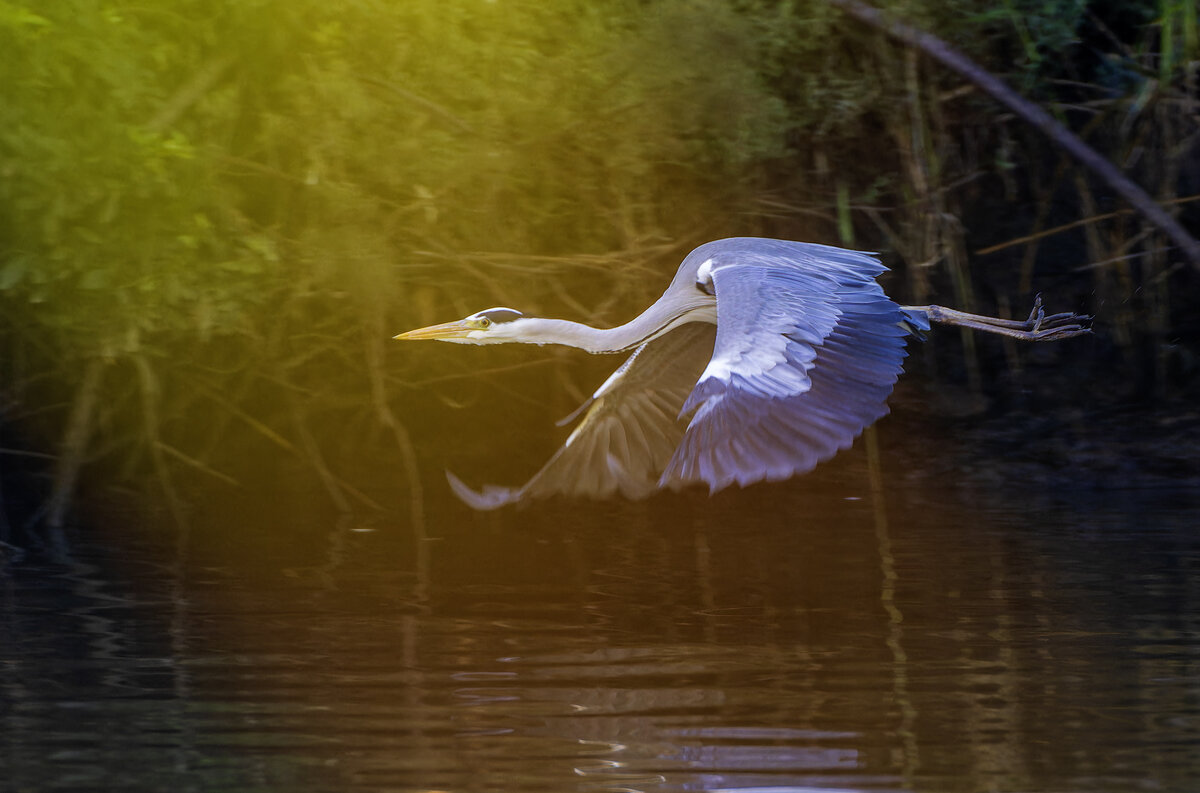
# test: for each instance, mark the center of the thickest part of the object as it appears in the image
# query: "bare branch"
(943, 53)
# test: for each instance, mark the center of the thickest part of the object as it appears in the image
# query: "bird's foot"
(1038, 327)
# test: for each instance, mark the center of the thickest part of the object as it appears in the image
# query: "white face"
(490, 326)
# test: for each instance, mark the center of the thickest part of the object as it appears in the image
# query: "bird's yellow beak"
(458, 329)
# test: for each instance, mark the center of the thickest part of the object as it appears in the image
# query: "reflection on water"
(782, 639)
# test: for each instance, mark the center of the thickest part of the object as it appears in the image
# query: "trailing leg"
(1039, 326)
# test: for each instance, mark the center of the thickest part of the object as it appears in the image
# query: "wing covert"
(807, 351)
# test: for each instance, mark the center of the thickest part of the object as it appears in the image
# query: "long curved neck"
(660, 318)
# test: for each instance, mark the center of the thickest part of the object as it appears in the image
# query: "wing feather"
(808, 349)
(629, 431)
(804, 356)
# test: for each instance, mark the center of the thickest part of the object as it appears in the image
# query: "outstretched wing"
(629, 432)
(808, 349)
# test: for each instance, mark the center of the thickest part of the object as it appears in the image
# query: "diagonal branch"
(943, 53)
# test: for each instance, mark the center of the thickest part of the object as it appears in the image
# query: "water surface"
(794, 637)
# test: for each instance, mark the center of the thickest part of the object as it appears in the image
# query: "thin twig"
(202, 81)
(74, 445)
(151, 401)
(197, 464)
(1073, 224)
(420, 101)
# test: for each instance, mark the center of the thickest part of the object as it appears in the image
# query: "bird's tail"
(915, 321)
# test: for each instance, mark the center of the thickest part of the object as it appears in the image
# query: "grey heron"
(762, 358)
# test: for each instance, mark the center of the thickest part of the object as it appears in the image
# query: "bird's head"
(490, 326)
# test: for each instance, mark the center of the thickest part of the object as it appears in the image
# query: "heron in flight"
(762, 359)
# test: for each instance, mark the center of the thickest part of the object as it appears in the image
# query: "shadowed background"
(216, 215)
(228, 555)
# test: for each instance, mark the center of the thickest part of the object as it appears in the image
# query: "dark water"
(794, 637)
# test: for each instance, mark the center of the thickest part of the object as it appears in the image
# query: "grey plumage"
(761, 359)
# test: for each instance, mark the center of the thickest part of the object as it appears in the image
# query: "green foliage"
(255, 194)
(186, 179)
(113, 218)
(1046, 32)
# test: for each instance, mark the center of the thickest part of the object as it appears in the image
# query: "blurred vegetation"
(215, 214)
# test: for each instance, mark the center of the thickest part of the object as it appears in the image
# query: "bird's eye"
(484, 322)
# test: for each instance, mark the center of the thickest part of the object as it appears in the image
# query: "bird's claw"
(1037, 314)
(1038, 327)
(1065, 325)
